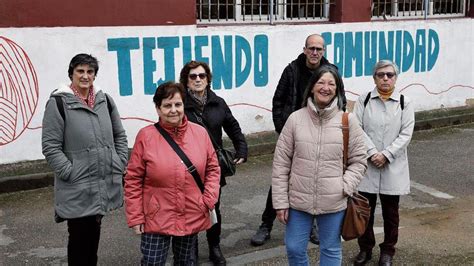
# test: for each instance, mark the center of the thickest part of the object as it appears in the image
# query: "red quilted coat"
(159, 192)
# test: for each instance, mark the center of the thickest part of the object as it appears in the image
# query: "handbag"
(224, 156)
(356, 217)
(189, 165)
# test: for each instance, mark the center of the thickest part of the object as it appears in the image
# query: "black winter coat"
(218, 116)
(285, 100)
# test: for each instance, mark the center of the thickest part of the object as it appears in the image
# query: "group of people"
(171, 183)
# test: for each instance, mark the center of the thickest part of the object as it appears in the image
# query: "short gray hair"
(385, 63)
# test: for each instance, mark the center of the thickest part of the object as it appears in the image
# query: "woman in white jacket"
(387, 118)
(308, 180)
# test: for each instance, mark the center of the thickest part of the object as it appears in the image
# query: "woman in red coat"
(163, 202)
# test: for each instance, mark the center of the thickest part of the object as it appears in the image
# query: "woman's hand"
(138, 229)
(282, 215)
(378, 159)
(239, 160)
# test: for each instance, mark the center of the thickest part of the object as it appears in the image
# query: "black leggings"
(83, 243)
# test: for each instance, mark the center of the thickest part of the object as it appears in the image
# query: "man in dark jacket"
(288, 98)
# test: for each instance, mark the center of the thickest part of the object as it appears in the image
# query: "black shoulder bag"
(225, 156)
(189, 165)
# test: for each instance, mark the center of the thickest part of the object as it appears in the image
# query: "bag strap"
(366, 101)
(189, 165)
(203, 123)
(345, 137)
(402, 101)
(60, 106)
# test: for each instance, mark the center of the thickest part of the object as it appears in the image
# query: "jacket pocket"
(81, 163)
(152, 207)
(202, 206)
(115, 192)
(117, 166)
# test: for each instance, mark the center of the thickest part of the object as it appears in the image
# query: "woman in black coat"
(202, 102)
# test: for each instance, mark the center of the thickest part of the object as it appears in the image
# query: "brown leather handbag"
(357, 213)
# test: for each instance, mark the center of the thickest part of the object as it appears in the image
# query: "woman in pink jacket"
(308, 180)
(163, 202)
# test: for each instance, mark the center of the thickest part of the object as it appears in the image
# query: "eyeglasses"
(200, 75)
(313, 48)
(381, 75)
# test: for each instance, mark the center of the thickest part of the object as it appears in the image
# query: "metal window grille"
(261, 11)
(393, 9)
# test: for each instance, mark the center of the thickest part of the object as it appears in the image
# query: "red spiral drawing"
(18, 91)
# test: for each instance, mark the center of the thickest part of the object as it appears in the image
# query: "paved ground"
(436, 218)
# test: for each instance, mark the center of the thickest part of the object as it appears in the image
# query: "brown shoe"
(363, 257)
(385, 259)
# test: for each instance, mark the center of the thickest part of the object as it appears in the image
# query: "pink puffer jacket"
(307, 165)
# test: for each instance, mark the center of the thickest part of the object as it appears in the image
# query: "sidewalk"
(36, 174)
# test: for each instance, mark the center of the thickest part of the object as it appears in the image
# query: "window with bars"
(384, 9)
(264, 11)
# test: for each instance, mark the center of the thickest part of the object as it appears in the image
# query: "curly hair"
(183, 76)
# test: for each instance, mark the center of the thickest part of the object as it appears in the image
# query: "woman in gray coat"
(387, 118)
(85, 144)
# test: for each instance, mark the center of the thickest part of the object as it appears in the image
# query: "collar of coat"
(68, 95)
(300, 62)
(212, 98)
(176, 132)
(395, 96)
(325, 113)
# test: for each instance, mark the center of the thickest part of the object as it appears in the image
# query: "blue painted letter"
(168, 44)
(149, 65)
(123, 47)
(260, 71)
(222, 66)
(242, 47)
(433, 48)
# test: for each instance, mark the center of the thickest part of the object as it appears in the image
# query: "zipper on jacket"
(319, 154)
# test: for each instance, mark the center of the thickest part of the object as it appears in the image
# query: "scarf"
(90, 101)
(200, 100)
(384, 95)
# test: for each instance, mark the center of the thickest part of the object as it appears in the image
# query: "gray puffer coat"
(87, 151)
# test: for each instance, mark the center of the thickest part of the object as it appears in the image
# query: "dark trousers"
(84, 235)
(390, 205)
(213, 234)
(269, 214)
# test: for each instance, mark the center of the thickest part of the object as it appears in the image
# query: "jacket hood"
(64, 88)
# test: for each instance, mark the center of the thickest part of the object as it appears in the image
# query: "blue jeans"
(297, 234)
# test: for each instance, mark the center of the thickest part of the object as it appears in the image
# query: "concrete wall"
(435, 56)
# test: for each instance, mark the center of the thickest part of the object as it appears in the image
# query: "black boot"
(261, 236)
(363, 257)
(385, 259)
(215, 255)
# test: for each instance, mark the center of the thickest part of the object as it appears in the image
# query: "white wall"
(446, 79)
